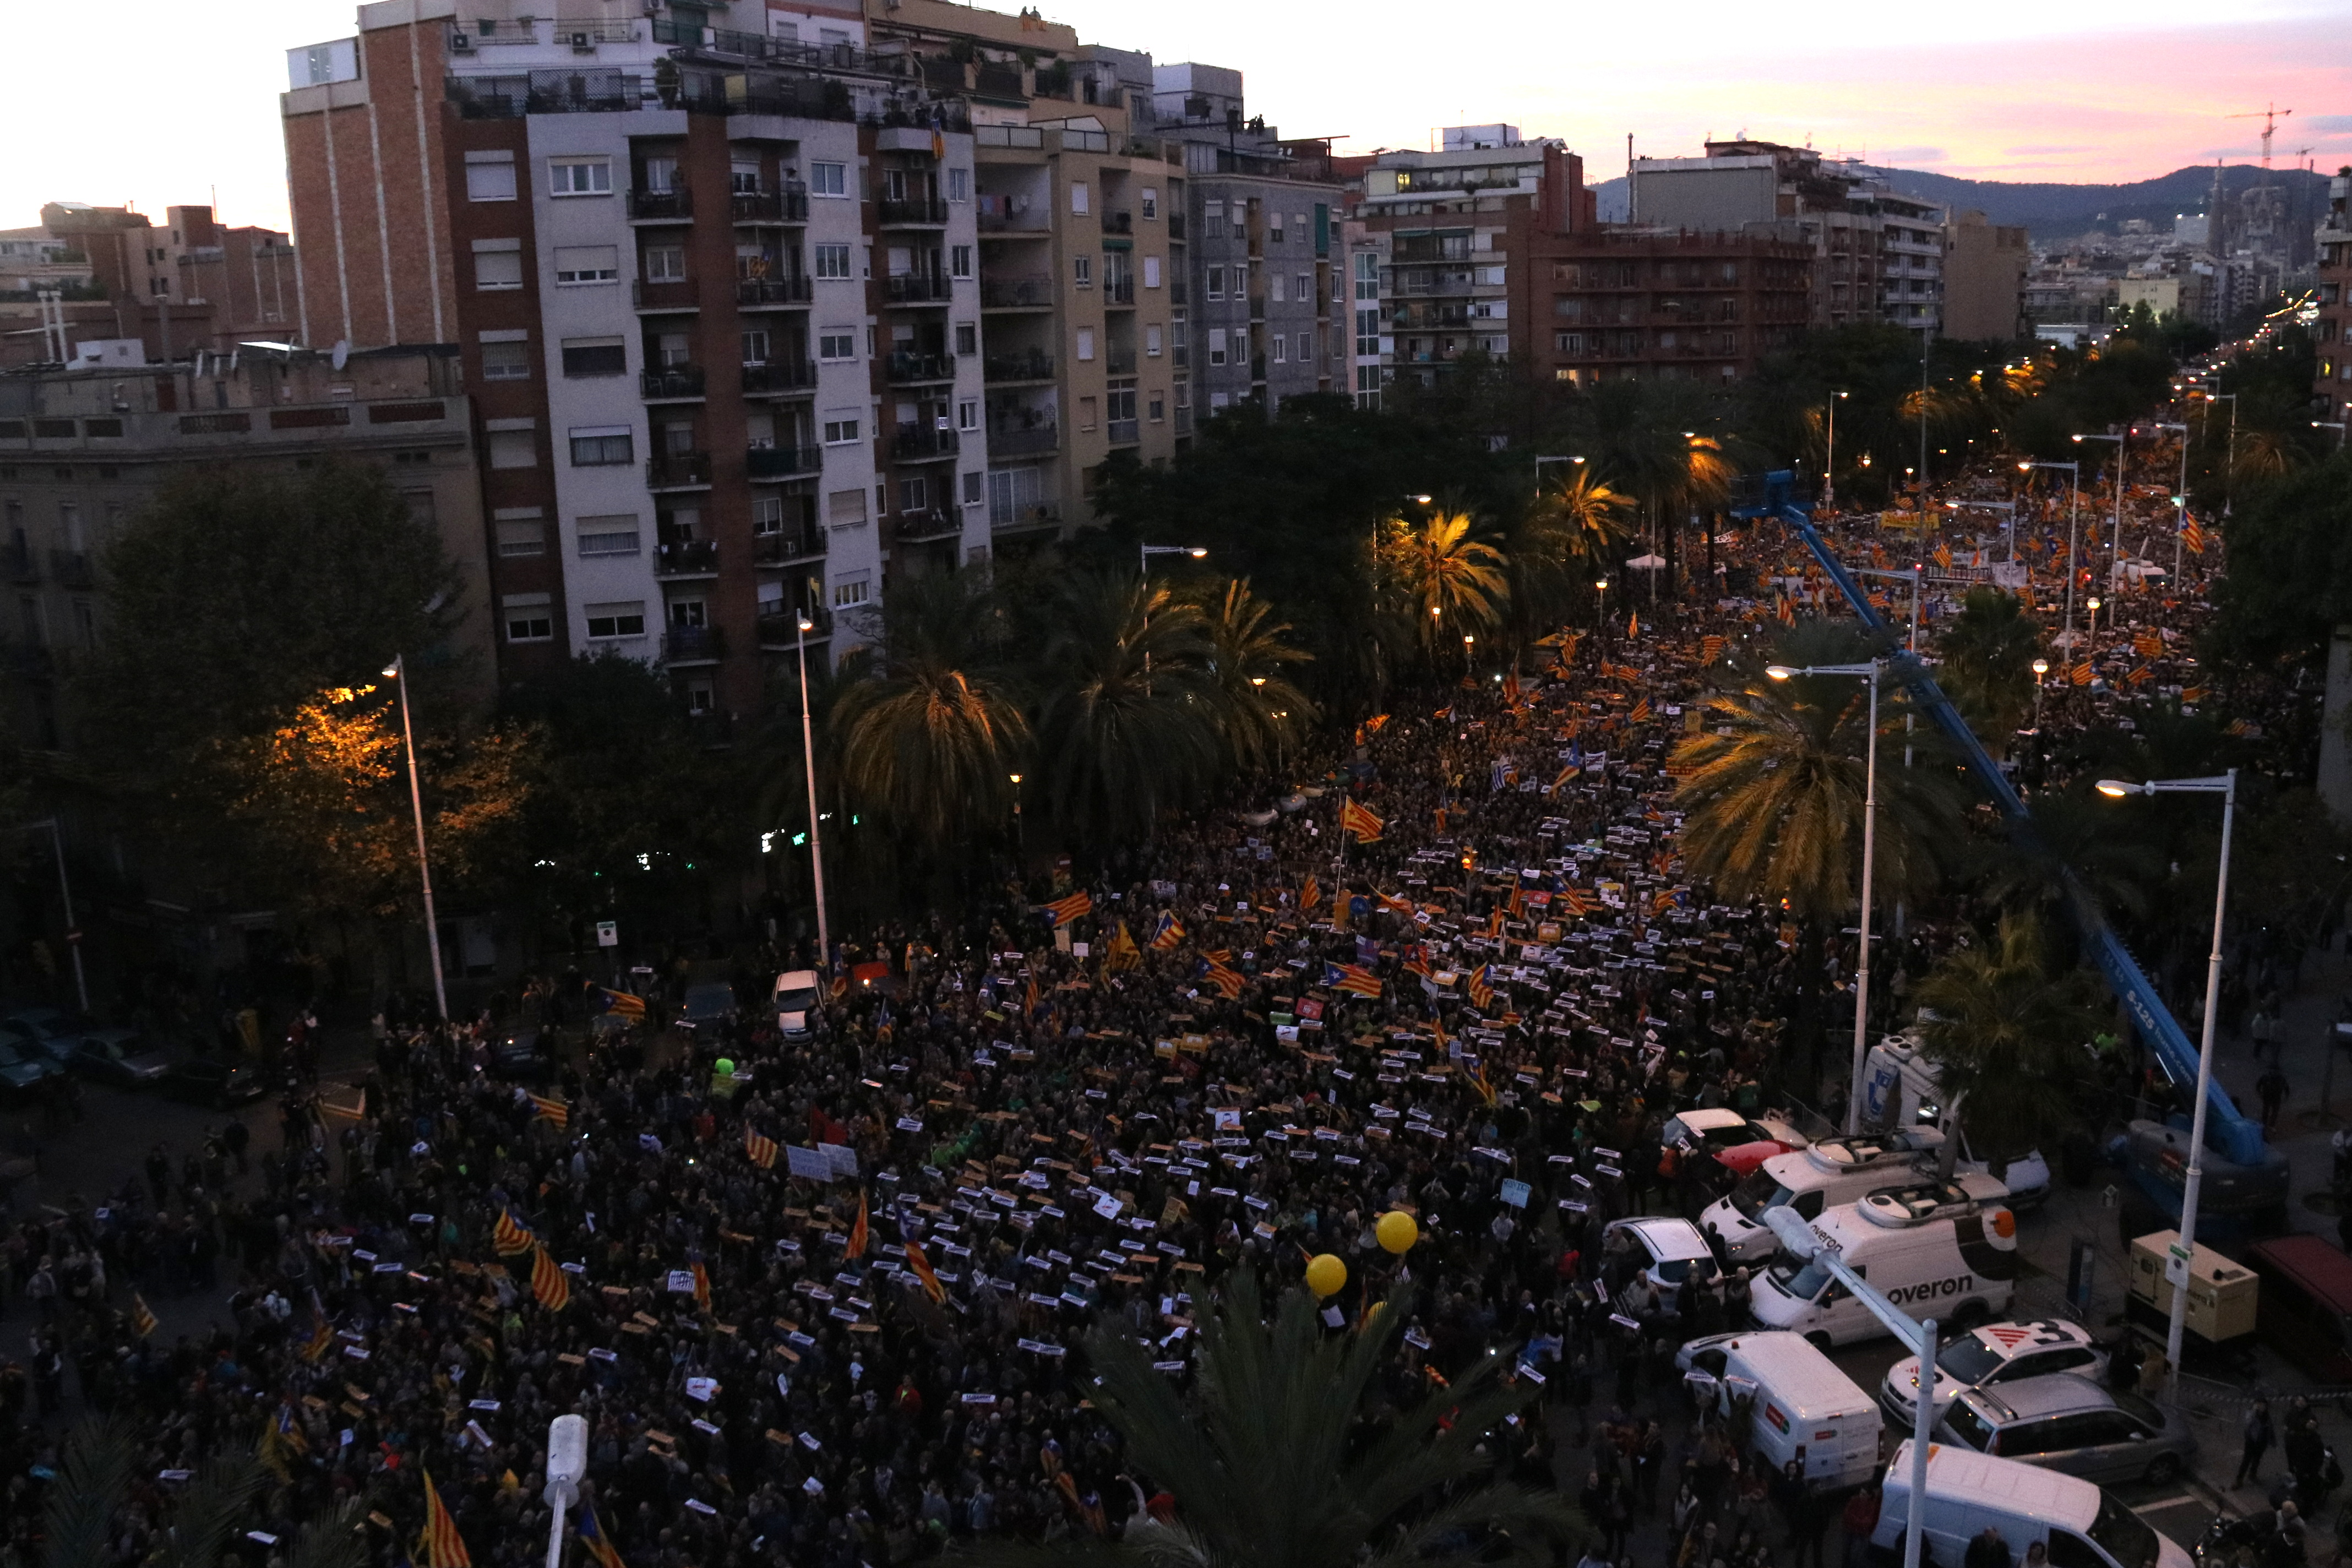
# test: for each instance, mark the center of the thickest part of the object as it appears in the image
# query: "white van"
(796, 995)
(1936, 1249)
(1804, 1407)
(1832, 1171)
(2079, 1525)
(1900, 1082)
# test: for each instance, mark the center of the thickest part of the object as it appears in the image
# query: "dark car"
(120, 1058)
(212, 1080)
(707, 1006)
(24, 1068)
(519, 1056)
(52, 1032)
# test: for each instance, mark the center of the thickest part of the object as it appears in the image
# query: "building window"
(1078, 196)
(959, 185)
(1215, 279)
(1305, 294)
(1306, 347)
(1368, 333)
(836, 344)
(1086, 344)
(529, 617)
(1152, 272)
(832, 260)
(579, 176)
(1274, 228)
(596, 356)
(1367, 275)
(487, 181)
(506, 362)
(513, 449)
(1151, 340)
(914, 494)
(1212, 220)
(1082, 271)
(959, 260)
(520, 538)
(967, 338)
(626, 618)
(752, 347)
(589, 263)
(974, 488)
(603, 448)
(1150, 203)
(1280, 290)
(663, 263)
(1085, 413)
(841, 432)
(828, 179)
(500, 269)
(1216, 345)
(967, 414)
(608, 535)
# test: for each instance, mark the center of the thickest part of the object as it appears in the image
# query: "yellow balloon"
(1398, 1232)
(1325, 1274)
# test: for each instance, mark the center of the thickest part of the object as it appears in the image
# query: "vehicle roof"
(708, 987)
(1669, 1240)
(2312, 1263)
(1958, 1474)
(1712, 1116)
(796, 980)
(1798, 1375)
(2011, 1339)
(2052, 1393)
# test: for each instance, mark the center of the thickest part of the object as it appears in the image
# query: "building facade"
(1984, 279)
(1669, 304)
(1832, 202)
(2332, 392)
(1911, 263)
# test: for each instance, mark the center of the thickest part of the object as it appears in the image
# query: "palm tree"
(2072, 843)
(1988, 652)
(1127, 723)
(1440, 572)
(1261, 712)
(2008, 1035)
(1571, 532)
(215, 1507)
(1287, 1455)
(928, 723)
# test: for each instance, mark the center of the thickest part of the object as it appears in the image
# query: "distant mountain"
(2052, 211)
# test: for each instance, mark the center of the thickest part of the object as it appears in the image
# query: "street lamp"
(65, 892)
(1601, 598)
(808, 766)
(1869, 854)
(2181, 501)
(2226, 786)
(2009, 506)
(1539, 467)
(2116, 544)
(567, 1466)
(2041, 669)
(1020, 832)
(2074, 528)
(1829, 465)
(397, 670)
(2093, 636)
(1146, 551)
(2334, 424)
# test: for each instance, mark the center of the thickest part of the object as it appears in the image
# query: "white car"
(1989, 1357)
(796, 997)
(1674, 1249)
(1718, 1130)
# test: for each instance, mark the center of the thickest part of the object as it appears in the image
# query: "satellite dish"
(342, 352)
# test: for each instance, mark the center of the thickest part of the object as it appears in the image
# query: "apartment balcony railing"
(687, 558)
(1119, 223)
(1176, 226)
(677, 381)
(773, 290)
(673, 470)
(1119, 362)
(1030, 366)
(1015, 294)
(926, 211)
(1009, 223)
(692, 644)
(780, 628)
(916, 528)
(667, 294)
(920, 443)
(1125, 433)
(802, 541)
(1006, 442)
(918, 289)
(1119, 290)
(903, 367)
(789, 204)
(1030, 514)
(1183, 420)
(1427, 318)
(657, 206)
(779, 375)
(781, 462)
(71, 568)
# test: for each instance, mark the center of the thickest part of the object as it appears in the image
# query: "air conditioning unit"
(582, 45)
(461, 43)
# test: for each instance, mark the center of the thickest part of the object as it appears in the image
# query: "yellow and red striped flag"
(1641, 714)
(923, 1268)
(1122, 953)
(1944, 555)
(2149, 645)
(702, 1285)
(2192, 536)
(550, 1110)
(855, 1250)
(547, 1283)
(1360, 820)
(1710, 648)
(1482, 996)
(1065, 910)
(322, 1335)
(1226, 979)
(761, 1151)
(143, 1321)
(511, 1236)
(1171, 932)
(2082, 674)
(1352, 978)
(443, 1547)
(1311, 897)
(2139, 676)
(1578, 901)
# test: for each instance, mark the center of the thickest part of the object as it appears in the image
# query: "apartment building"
(1449, 238)
(1984, 279)
(2332, 390)
(1911, 262)
(189, 283)
(1669, 304)
(1833, 204)
(717, 290)
(82, 451)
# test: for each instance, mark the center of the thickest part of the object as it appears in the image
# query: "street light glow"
(2117, 789)
(1778, 671)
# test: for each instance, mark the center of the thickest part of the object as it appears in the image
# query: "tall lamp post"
(65, 892)
(567, 1466)
(1539, 468)
(2230, 460)
(2115, 543)
(1828, 462)
(2334, 424)
(2073, 530)
(397, 670)
(1600, 597)
(1146, 551)
(2181, 501)
(2041, 669)
(2177, 1270)
(808, 768)
(1869, 856)
(2007, 506)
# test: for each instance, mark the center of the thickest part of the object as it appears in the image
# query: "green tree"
(2009, 1035)
(1442, 578)
(1261, 713)
(1288, 1454)
(1574, 531)
(2289, 579)
(1988, 652)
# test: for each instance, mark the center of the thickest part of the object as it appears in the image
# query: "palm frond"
(93, 1479)
(211, 1510)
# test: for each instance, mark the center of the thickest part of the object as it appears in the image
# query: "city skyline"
(2006, 91)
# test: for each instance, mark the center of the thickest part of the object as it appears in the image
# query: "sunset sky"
(182, 99)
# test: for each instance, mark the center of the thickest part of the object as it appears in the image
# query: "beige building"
(1984, 279)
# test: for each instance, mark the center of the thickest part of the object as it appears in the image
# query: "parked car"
(2066, 1423)
(796, 999)
(517, 1057)
(708, 1004)
(1716, 1131)
(118, 1057)
(1993, 1357)
(52, 1032)
(24, 1067)
(212, 1080)
(1669, 1250)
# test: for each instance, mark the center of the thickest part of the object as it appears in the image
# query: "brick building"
(190, 283)
(1668, 303)
(2332, 392)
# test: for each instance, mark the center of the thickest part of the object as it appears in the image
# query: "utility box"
(2222, 1295)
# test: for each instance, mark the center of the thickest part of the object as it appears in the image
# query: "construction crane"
(2270, 117)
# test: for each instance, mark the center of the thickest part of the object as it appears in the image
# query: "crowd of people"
(823, 1297)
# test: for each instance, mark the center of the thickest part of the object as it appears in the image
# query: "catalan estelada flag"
(2149, 645)
(855, 1250)
(1578, 901)
(1641, 714)
(1416, 960)
(511, 1236)
(923, 1268)
(1062, 911)
(548, 1284)
(553, 1110)
(1166, 933)
(631, 1008)
(761, 1151)
(143, 1321)
(1710, 648)
(1395, 904)
(322, 1335)
(1311, 897)
(1352, 978)
(2082, 674)
(593, 1541)
(1944, 555)
(1122, 953)
(443, 1547)
(2192, 537)
(1360, 820)
(1228, 980)
(1482, 996)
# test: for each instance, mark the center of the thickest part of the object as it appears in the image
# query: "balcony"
(781, 462)
(922, 528)
(998, 81)
(903, 212)
(71, 568)
(804, 542)
(661, 206)
(789, 204)
(757, 291)
(1176, 226)
(687, 558)
(903, 368)
(1032, 514)
(1119, 290)
(918, 289)
(780, 627)
(20, 564)
(1257, 367)
(921, 443)
(1119, 362)
(1119, 223)
(1030, 366)
(1012, 443)
(1124, 433)
(1183, 420)
(677, 470)
(678, 381)
(1014, 224)
(779, 376)
(667, 294)
(1016, 293)
(692, 644)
